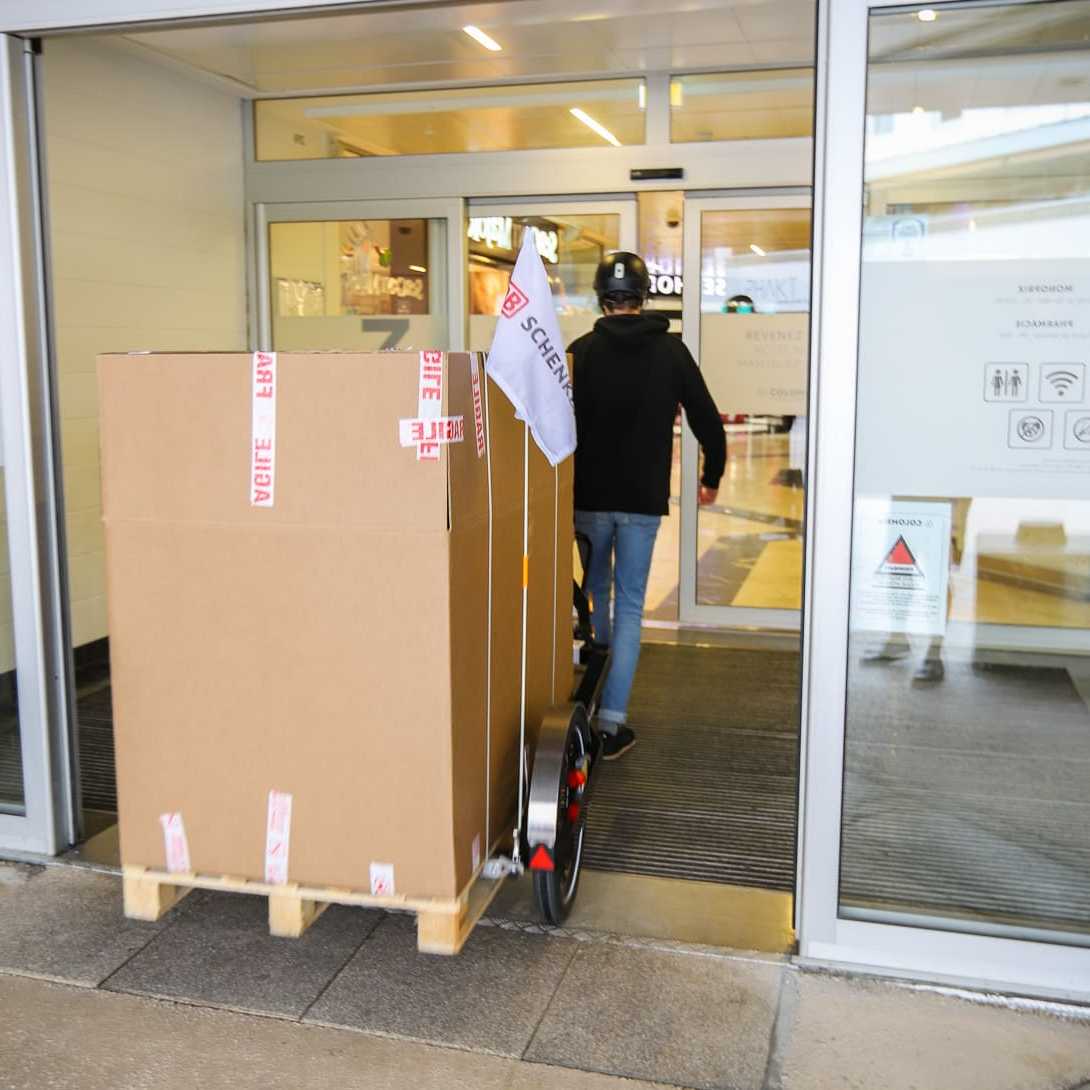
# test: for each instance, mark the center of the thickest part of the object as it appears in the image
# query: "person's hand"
(706, 496)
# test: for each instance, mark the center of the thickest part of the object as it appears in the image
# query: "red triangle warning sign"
(900, 560)
(901, 554)
(541, 860)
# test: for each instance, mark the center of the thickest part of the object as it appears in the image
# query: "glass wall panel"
(754, 338)
(357, 284)
(510, 118)
(968, 713)
(742, 105)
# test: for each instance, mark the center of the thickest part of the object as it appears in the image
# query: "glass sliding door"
(572, 237)
(746, 321)
(963, 523)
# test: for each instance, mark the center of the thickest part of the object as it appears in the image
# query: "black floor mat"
(709, 791)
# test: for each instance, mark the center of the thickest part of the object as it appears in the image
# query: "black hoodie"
(630, 375)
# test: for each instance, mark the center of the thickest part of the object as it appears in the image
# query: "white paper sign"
(972, 379)
(900, 566)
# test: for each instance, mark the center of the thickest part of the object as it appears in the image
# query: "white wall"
(147, 224)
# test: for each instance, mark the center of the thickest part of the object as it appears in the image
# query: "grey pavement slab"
(688, 1019)
(488, 998)
(220, 952)
(66, 923)
(54, 1037)
(854, 1034)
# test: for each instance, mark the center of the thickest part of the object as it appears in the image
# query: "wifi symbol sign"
(1062, 382)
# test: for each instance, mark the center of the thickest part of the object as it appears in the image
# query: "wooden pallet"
(442, 926)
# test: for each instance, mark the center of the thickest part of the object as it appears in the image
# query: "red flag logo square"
(516, 300)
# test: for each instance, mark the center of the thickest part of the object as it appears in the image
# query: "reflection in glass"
(968, 730)
(355, 284)
(754, 318)
(435, 122)
(763, 105)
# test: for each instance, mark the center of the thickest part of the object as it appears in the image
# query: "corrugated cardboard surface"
(334, 646)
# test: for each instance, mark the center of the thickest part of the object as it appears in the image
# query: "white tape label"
(174, 840)
(431, 433)
(429, 404)
(277, 838)
(382, 880)
(478, 405)
(263, 443)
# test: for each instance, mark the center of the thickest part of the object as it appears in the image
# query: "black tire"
(555, 890)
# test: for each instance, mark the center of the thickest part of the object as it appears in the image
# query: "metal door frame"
(448, 257)
(690, 610)
(32, 484)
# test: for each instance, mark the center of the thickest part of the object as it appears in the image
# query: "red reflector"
(573, 812)
(576, 779)
(541, 859)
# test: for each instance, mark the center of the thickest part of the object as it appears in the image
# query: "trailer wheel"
(555, 885)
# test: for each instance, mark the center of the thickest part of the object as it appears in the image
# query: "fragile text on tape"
(263, 443)
(175, 843)
(277, 838)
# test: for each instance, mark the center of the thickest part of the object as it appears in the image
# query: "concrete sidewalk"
(206, 998)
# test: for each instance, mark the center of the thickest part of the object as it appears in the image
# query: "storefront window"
(968, 723)
(511, 118)
(742, 105)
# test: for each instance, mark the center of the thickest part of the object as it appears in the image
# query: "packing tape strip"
(429, 404)
(175, 843)
(278, 838)
(478, 402)
(264, 376)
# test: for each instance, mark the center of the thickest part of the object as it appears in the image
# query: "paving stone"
(488, 998)
(54, 1037)
(66, 923)
(220, 952)
(851, 1034)
(685, 1019)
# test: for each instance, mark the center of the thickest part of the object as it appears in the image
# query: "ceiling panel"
(539, 39)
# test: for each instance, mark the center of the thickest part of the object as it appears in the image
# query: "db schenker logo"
(516, 300)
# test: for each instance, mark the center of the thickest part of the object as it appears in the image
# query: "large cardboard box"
(330, 615)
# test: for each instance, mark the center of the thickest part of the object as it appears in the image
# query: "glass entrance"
(572, 237)
(746, 321)
(363, 276)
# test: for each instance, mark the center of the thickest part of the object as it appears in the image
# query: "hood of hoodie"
(628, 328)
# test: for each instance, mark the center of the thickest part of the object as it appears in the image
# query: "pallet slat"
(443, 926)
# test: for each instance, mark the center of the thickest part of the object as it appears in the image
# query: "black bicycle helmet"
(622, 276)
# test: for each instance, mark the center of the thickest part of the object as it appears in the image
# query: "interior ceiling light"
(918, 110)
(481, 38)
(417, 269)
(641, 95)
(927, 15)
(757, 250)
(596, 126)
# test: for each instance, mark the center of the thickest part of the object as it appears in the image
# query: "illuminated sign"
(498, 233)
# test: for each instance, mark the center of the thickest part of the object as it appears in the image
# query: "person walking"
(629, 377)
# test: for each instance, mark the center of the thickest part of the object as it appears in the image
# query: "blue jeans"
(621, 547)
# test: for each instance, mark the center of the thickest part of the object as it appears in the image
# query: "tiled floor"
(353, 1004)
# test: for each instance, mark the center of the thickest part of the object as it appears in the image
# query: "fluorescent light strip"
(595, 126)
(417, 269)
(481, 38)
(927, 15)
(757, 250)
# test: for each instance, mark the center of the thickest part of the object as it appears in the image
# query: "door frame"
(32, 484)
(826, 934)
(448, 257)
(690, 611)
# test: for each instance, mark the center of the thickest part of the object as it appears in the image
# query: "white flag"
(528, 358)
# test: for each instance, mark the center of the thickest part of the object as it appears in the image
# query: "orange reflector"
(541, 859)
